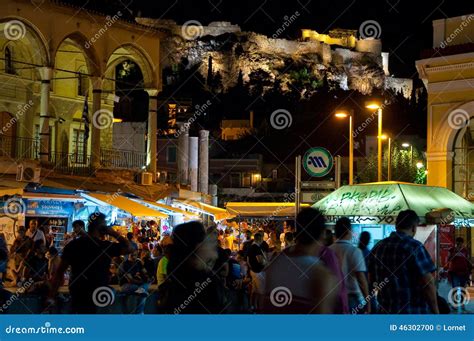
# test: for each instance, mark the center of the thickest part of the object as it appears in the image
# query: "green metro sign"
(318, 161)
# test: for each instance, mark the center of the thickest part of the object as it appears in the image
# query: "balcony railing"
(20, 148)
(113, 158)
(71, 163)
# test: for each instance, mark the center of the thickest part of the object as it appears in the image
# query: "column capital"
(46, 73)
(203, 134)
(152, 92)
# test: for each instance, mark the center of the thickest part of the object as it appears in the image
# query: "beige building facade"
(54, 58)
(448, 74)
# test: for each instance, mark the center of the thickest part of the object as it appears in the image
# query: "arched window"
(82, 82)
(9, 68)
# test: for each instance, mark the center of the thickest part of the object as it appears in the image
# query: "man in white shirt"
(353, 267)
(34, 232)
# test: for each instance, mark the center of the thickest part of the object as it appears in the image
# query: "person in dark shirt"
(3, 258)
(130, 238)
(36, 264)
(191, 286)
(20, 249)
(364, 240)
(257, 260)
(133, 278)
(149, 265)
(248, 243)
(132, 273)
(90, 258)
(256, 254)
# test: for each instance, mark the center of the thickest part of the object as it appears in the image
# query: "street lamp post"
(379, 147)
(389, 162)
(389, 156)
(378, 107)
(344, 114)
(406, 145)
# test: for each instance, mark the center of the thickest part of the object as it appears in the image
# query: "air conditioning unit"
(145, 178)
(28, 172)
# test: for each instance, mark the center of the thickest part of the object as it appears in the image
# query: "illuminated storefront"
(374, 208)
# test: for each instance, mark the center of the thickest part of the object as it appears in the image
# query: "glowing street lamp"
(344, 114)
(389, 158)
(406, 145)
(378, 107)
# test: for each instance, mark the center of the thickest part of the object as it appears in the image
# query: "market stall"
(374, 207)
(263, 210)
(258, 215)
(208, 213)
(122, 211)
(176, 215)
(53, 211)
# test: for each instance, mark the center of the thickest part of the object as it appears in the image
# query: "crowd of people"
(306, 268)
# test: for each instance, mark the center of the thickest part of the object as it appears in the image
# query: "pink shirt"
(329, 258)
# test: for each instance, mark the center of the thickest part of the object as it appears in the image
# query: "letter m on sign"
(320, 162)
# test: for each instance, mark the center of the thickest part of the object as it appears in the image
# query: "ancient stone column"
(183, 153)
(152, 131)
(204, 161)
(385, 61)
(99, 120)
(46, 74)
(193, 162)
(213, 193)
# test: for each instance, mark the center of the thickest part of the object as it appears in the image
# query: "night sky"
(406, 26)
(406, 29)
